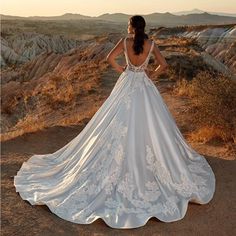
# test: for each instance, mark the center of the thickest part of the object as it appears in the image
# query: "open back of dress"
(141, 67)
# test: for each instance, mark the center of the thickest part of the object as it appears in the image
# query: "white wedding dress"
(128, 164)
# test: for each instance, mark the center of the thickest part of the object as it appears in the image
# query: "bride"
(130, 162)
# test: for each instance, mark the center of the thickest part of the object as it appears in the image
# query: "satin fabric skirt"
(128, 164)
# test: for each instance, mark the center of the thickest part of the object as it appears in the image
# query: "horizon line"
(203, 11)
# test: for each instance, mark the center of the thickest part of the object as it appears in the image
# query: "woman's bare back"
(138, 60)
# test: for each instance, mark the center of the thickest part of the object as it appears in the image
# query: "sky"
(99, 7)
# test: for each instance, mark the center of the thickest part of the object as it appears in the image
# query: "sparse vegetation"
(213, 106)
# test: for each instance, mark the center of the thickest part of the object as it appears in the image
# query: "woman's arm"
(161, 61)
(117, 50)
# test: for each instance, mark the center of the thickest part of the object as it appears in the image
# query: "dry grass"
(53, 99)
(213, 106)
(28, 125)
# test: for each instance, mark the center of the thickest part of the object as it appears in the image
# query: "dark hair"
(138, 23)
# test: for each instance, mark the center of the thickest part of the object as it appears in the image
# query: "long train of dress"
(128, 164)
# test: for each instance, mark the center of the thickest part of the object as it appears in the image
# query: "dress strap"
(126, 54)
(151, 48)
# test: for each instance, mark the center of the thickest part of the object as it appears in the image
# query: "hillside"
(217, 41)
(64, 81)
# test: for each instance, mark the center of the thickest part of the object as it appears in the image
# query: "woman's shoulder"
(150, 41)
(128, 39)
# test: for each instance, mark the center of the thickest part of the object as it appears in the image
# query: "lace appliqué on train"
(103, 174)
(186, 187)
(142, 204)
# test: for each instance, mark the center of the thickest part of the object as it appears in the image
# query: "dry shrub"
(183, 88)
(214, 106)
(187, 66)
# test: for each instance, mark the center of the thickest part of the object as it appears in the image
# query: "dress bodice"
(141, 67)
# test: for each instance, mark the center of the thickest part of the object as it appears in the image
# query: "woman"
(130, 162)
(138, 39)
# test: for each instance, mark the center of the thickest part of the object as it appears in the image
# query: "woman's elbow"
(165, 66)
(109, 57)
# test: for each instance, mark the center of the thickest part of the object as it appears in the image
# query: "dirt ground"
(21, 218)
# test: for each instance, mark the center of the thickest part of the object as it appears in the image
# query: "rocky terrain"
(53, 80)
(53, 88)
(218, 43)
(23, 47)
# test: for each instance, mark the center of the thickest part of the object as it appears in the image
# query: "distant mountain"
(198, 11)
(114, 17)
(66, 16)
(193, 11)
(8, 17)
(166, 18)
